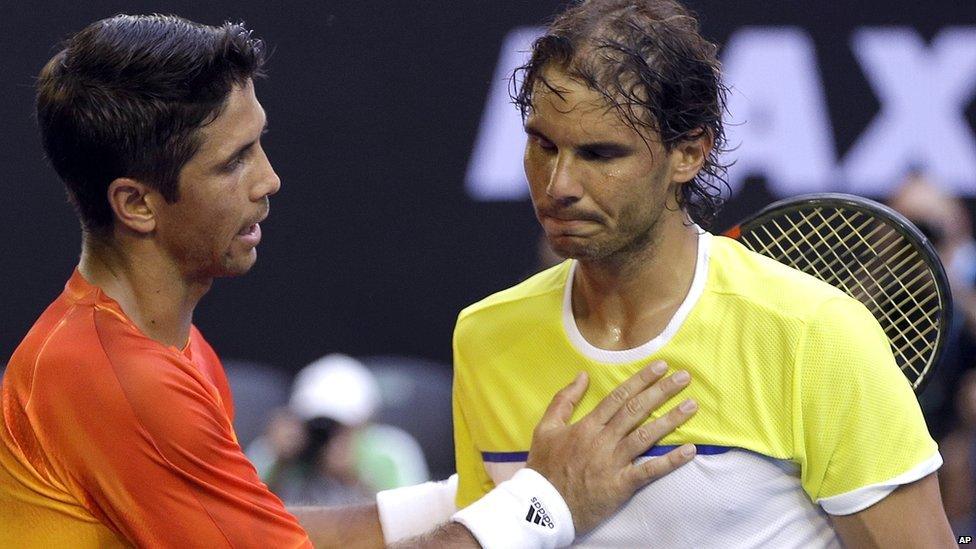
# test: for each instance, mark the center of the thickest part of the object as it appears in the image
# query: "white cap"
(338, 387)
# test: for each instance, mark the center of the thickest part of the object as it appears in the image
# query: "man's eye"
(591, 155)
(543, 143)
(597, 154)
(237, 162)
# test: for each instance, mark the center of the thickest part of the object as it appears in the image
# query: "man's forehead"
(559, 97)
(563, 91)
(240, 115)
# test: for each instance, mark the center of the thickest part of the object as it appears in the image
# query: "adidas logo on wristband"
(495, 519)
(537, 514)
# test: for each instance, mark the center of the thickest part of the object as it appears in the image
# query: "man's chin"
(238, 266)
(235, 273)
(573, 247)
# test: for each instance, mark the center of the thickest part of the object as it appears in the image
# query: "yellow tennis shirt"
(802, 409)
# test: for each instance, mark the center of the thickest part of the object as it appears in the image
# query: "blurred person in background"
(958, 475)
(943, 218)
(325, 450)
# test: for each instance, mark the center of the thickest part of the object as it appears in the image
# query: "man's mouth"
(251, 234)
(569, 216)
(253, 227)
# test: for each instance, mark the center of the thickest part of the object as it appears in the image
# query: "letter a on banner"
(778, 124)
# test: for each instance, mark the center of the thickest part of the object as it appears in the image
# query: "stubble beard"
(633, 240)
(202, 264)
(231, 266)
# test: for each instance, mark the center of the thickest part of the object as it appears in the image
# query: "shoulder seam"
(804, 318)
(150, 438)
(825, 296)
(40, 353)
(480, 305)
(796, 382)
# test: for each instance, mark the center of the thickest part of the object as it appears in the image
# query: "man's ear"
(132, 202)
(688, 157)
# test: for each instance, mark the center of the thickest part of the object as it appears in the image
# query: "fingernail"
(688, 406)
(682, 377)
(688, 450)
(659, 368)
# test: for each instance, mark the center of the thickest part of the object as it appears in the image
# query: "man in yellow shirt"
(808, 435)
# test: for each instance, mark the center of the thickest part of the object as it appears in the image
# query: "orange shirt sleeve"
(144, 440)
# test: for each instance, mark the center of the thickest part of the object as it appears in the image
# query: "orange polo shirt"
(110, 438)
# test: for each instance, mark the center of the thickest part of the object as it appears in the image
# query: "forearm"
(497, 519)
(884, 524)
(450, 534)
(352, 527)
(359, 528)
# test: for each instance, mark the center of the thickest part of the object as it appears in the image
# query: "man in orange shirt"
(116, 413)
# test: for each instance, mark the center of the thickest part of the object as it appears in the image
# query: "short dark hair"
(648, 59)
(126, 98)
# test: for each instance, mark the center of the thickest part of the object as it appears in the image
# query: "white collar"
(655, 344)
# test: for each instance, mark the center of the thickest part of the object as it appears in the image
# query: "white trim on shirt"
(866, 496)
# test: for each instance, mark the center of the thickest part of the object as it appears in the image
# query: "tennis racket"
(875, 255)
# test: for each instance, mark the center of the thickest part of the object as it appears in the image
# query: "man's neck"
(152, 291)
(627, 301)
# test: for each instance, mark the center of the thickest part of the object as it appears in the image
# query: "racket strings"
(872, 262)
(868, 274)
(866, 283)
(827, 270)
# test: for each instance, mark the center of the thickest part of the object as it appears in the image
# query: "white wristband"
(414, 510)
(524, 512)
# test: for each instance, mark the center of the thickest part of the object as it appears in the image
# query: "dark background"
(373, 245)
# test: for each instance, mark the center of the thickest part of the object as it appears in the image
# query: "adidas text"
(537, 515)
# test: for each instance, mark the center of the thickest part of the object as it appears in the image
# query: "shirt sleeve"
(858, 429)
(473, 479)
(143, 440)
